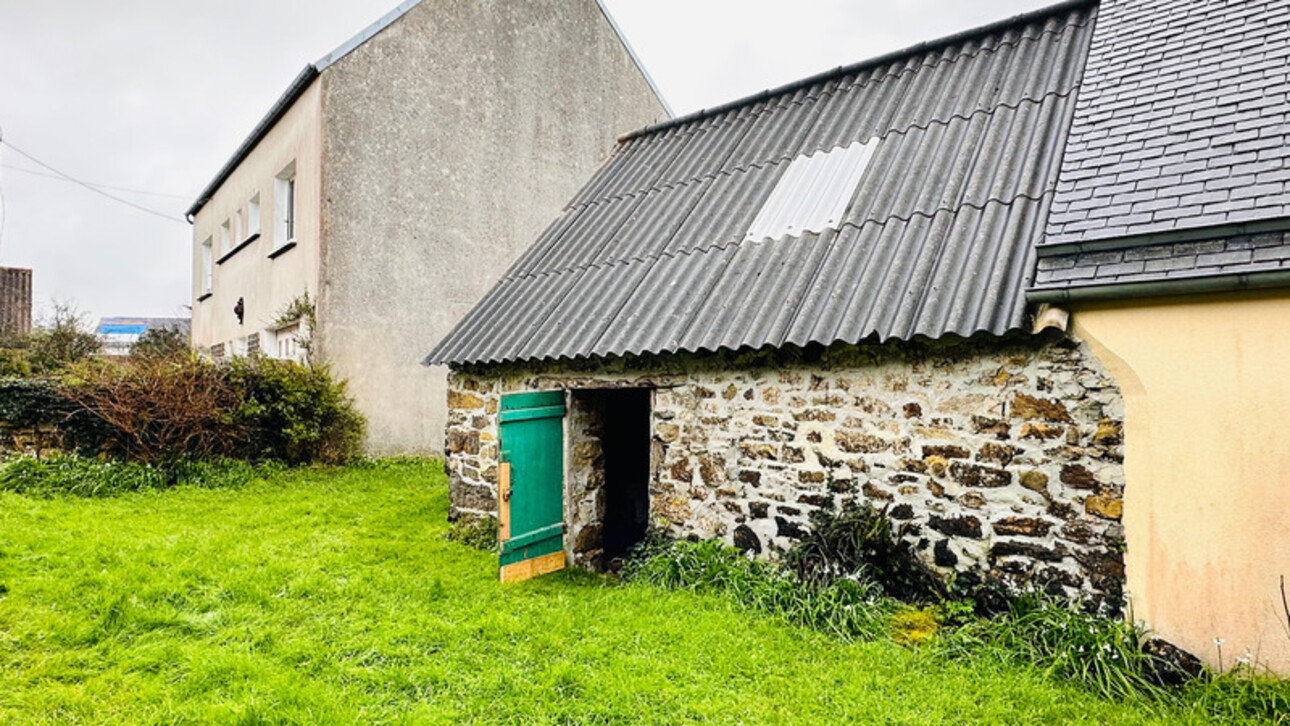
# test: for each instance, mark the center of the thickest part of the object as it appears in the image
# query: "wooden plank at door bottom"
(528, 569)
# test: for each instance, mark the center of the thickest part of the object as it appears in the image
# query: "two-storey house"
(395, 180)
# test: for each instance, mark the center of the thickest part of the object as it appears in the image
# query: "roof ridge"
(904, 70)
(923, 48)
(841, 72)
(763, 163)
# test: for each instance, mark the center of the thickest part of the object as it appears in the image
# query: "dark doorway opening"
(626, 445)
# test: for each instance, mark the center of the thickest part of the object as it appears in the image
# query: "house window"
(207, 266)
(253, 216)
(237, 226)
(225, 237)
(253, 344)
(217, 352)
(287, 343)
(284, 204)
(288, 340)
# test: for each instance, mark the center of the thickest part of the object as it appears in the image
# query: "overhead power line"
(128, 190)
(92, 187)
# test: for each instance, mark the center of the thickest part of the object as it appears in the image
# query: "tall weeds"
(851, 608)
(850, 577)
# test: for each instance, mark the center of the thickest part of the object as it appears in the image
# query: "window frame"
(253, 216)
(285, 210)
(206, 267)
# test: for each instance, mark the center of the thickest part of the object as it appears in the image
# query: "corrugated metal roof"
(651, 256)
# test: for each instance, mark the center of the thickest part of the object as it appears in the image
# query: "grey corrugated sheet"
(649, 257)
(1183, 120)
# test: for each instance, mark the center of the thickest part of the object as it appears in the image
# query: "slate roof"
(1183, 120)
(939, 237)
(1176, 178)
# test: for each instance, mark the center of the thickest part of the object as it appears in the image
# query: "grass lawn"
(333, 597)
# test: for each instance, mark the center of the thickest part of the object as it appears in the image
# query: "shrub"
(161, 408)
(89, 477)
(829, 582)
(160, 343)
(27, 402)
(860, 540)
(61, 341)
(181, 407)
(293, 413)
(14, 363)
(299, 311)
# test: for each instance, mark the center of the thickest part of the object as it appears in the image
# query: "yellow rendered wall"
(1206, 382)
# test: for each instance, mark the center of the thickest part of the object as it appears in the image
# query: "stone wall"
(36, 420)
(40, 440)
(998, 457)
(585, 479)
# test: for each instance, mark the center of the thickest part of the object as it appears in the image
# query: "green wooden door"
(532, 484)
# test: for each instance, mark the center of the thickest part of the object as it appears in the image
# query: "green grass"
(334, 597)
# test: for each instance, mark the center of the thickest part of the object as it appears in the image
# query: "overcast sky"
(154, 95)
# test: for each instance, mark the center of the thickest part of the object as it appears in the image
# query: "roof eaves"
(279, 109)
(1171, 287)
(293, 92)
(913, 50)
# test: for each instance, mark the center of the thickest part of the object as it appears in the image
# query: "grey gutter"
(279, 109)
(924, 47)
(1163, 288)
(667, 108)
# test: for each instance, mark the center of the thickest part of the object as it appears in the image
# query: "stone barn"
(947, 281)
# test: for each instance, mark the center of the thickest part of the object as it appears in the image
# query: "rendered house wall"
(1002, 458)
(487, 117)
(265, 285)
(1207, 503)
